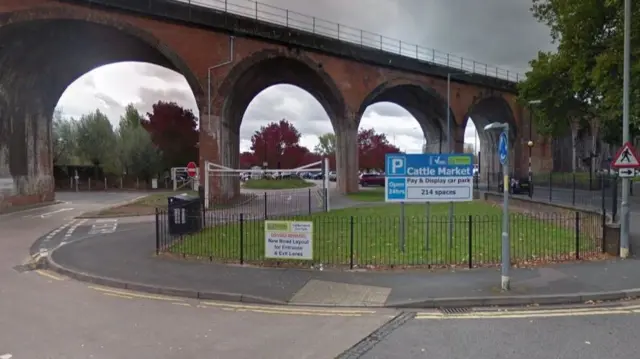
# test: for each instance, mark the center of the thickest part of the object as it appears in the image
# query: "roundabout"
(131, 303)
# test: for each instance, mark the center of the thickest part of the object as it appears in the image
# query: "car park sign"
(428, 177)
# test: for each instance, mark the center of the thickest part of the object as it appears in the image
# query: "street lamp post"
(506, 245)
(449, 150)
(530, 143)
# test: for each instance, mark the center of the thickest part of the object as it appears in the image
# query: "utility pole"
(626, 182)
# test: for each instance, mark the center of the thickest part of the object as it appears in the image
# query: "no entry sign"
(191, 169)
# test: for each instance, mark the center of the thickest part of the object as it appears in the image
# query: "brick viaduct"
(47, 44)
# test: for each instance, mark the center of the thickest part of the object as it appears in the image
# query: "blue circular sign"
(503, 147)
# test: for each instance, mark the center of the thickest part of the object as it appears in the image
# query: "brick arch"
(491, 107)
(268, 67)
(67, 13)
(423, 101)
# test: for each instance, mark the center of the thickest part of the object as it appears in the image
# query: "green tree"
(96, 139)
(326, 145)
(138, 155)
(130, 120)
(582, 82)
(64, 139)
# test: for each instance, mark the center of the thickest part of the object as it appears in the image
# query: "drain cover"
(454, 310)
(21, 268)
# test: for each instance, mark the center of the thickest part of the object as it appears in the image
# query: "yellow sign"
(506, 183)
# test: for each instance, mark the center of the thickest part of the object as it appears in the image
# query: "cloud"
(497, 32)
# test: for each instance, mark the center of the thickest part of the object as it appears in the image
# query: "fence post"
(470, 241)
(614, 199)
(550, 186)
(604, 199)
(604, 232)
(573, 191)
(241, 238)
(401, 227)
(89, 184)
(577, 235)
(287, 21)
(265, 206)
(157, 231)
(351, 242)
(105, 183)
(310, 201)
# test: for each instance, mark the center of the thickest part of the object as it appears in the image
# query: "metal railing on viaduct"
(300, 22)
(317, 26)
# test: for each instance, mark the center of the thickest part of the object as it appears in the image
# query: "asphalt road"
(44, 315)
(590, 334)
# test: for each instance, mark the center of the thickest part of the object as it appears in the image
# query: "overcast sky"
(498, 32)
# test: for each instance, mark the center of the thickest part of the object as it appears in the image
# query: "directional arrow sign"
(626, 172)
(626, 157)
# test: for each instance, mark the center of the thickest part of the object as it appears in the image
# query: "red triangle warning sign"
(626, 157)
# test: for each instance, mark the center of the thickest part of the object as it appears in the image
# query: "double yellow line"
(264, 309)
(533, 313)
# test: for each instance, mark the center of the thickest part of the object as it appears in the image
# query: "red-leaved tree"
(174, 130)
(278, 144)
(372, 148)
(248, 160)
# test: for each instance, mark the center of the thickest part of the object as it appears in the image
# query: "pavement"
(45, 315)
(122, 256)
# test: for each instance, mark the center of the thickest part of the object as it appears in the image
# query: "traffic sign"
(428, 177)
(191, 169)
(626, 157)
(503, 147)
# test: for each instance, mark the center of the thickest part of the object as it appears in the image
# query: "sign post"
(191, 169)
(626, 162)
(503, 154)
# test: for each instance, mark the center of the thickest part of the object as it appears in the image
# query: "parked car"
(371, 179)
(519, 185)
(333, 176)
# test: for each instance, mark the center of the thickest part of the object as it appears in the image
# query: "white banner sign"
(288, 240)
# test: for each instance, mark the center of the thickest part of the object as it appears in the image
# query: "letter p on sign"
(396, 165)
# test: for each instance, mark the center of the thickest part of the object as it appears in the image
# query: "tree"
(139, 156)
(326, 144)
(372, 148)
(130, 120)
(174, 131)
(248, 160)
(64, 139)
(581, 83)
(96, 140)
(277, 144)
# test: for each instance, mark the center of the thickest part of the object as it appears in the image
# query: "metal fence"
(294, 20)
(598, 193)
(393, 241)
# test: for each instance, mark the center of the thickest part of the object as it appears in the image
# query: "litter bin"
(185, 214)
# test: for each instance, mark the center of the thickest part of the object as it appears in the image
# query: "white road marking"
(48, 214)
(72, 229)
(57, 230)
(6, 356)
(104, 226)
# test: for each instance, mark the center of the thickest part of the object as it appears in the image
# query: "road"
(585, 333)
(44, 315)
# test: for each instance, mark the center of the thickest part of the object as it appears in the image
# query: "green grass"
(368, 195)
(287, 183)
(372, 234)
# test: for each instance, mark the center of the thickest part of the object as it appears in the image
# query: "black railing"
(393, 241)
(596, 192)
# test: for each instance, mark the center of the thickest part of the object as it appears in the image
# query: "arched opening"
(138, 100)
(40, 59)
(397, 125)
(486, 111)
(298, 108)
(419, 102)
(257, 79)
